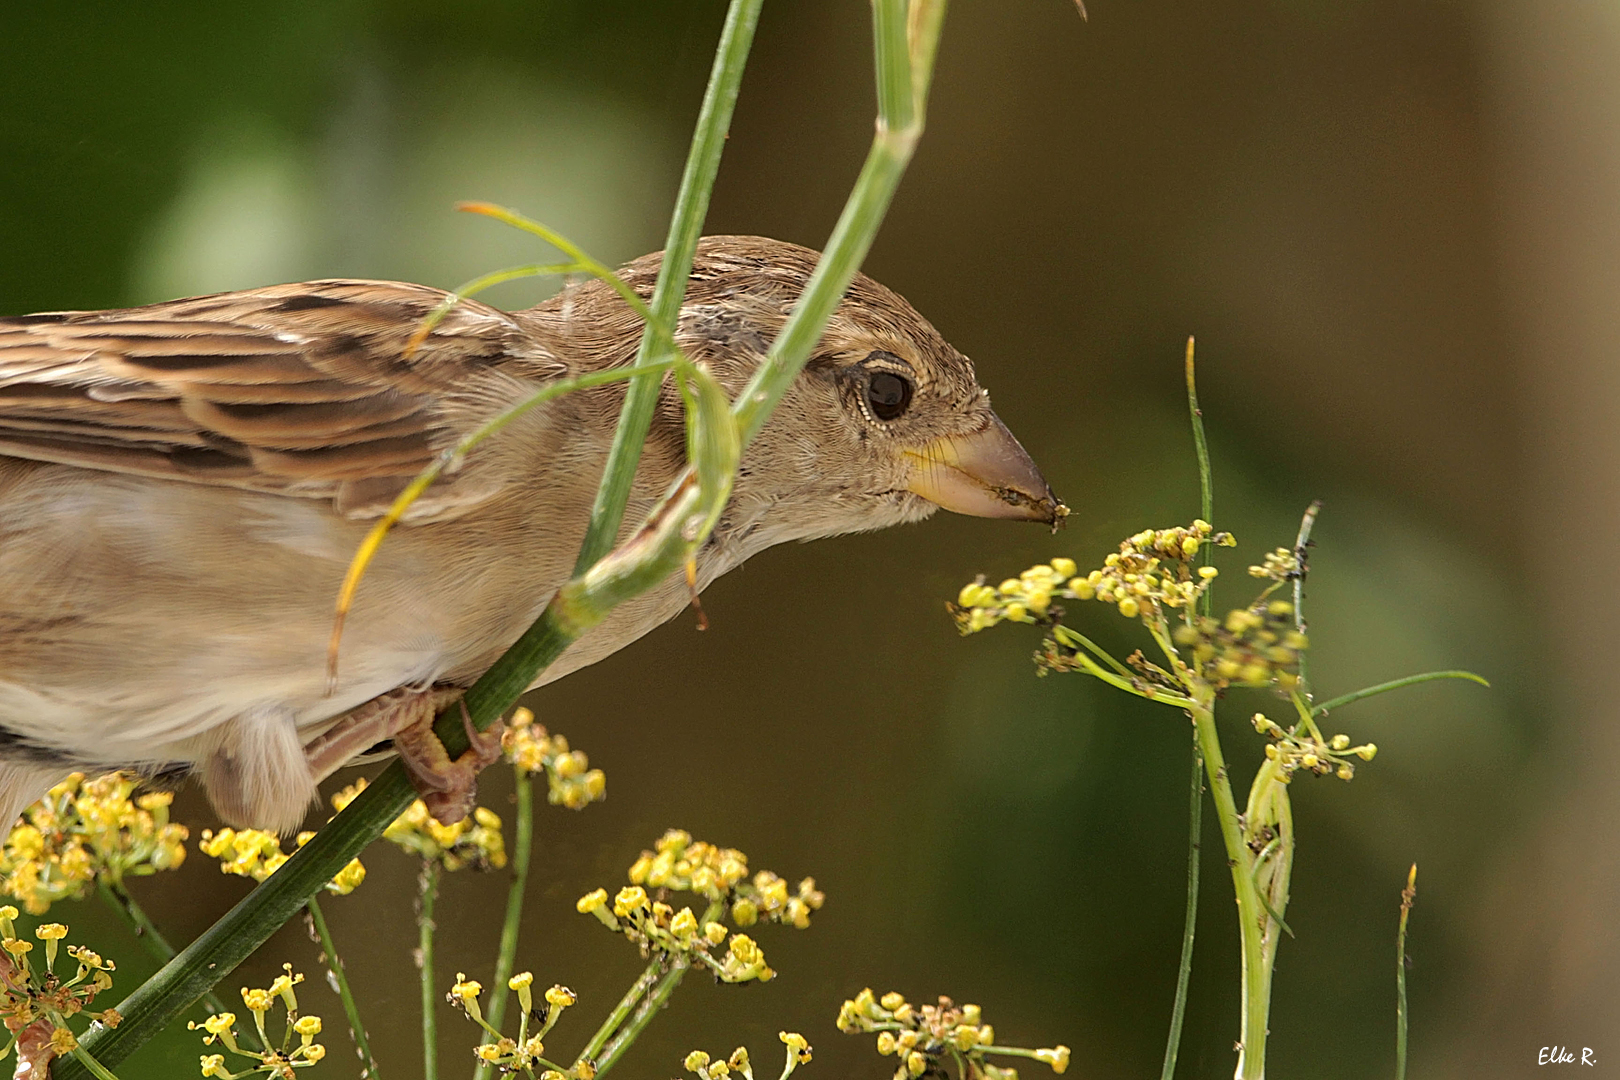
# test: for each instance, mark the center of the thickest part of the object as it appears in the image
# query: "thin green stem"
(636, 1009)
(506, 957)
(1381, 688)
(650, 1007)
(685, 227)
(1132, 686)
(1195, 825)
(428, 895)
(621, 1012)
(1071, 637)
(1408, 897)
(96, 1068)
(1302, 553)
(1206, 476)
(334, 965)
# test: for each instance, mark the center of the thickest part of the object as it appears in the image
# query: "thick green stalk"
(506, 957)
(245, 927)
(685, 227)
(424, 948)
(1252, 917)
(351, 1011)
(146, 932)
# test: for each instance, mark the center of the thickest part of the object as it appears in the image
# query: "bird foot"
(405, 717)
(448, 788)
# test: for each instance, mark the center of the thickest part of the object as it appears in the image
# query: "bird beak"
(986, 474)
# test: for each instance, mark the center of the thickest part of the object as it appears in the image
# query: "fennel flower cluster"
(86, 831)
(474, 841)
(570, 780)
(720, 877)
(256, 854)
(36, 1000)
(738, 1065)
(526, 1053)
(925, 1038)
(283, 1055)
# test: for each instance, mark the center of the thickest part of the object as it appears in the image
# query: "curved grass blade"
(1381, 688)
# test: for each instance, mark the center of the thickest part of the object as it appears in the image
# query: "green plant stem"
(522, 847)
(1302, 551)
(1195, 825)
(1251, 913)
(152, 940)
(650, 1007)
(429, 892)
(96, 1068)
(1383, 688)
(250, 923)
(621, 1012)
(645, 999)
(1408, 897)
(334, 964)
(1206, 477)
(685, 227)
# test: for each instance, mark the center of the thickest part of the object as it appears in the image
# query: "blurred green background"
(1393, 228)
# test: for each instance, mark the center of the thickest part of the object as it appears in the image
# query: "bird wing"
(301, 390)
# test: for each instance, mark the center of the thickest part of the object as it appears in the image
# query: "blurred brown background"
(1395, 229)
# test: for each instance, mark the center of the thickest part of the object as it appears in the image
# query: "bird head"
(887, 422)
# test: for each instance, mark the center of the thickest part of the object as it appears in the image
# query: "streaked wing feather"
(302, 390)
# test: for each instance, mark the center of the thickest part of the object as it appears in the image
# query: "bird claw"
(448, 788)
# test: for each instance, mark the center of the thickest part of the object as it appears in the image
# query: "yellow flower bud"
(1208, 573)
(715, 933)
(561, 997)
(314, 1052)
(1057, 1057)
(696, 1060)
(916, 1063)
(308, 1025)
(1129, 608)
(885, 1043)
(51, 932)
(631, 898)
(1064, 568)
(892, 1000)
(591, 901)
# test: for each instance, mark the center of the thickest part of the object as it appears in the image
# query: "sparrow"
(183, 486)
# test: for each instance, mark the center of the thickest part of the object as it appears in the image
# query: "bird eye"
(888, 394)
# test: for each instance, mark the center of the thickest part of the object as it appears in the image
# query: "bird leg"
(405, 717)
(448, 787)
